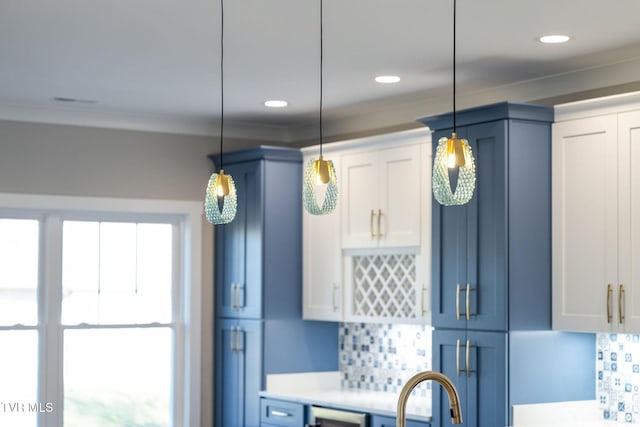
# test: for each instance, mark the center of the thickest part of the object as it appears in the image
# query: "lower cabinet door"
(380, 421)
(238, 372)
(476, 363)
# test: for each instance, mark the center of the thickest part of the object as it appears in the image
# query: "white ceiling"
(154, 64)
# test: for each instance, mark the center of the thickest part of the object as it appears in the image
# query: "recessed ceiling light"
(275, 103)
(554, 38)
(387, 79)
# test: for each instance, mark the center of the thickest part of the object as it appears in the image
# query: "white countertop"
(584, 413)
(323, 389)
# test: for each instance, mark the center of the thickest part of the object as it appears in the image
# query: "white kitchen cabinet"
(321, 261)
(596, 216)
(381, 197)
(387, 277)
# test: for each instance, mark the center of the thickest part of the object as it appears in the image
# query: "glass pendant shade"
(453, 153)
(221, 190)
(319, 177)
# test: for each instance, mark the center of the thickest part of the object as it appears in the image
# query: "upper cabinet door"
(239, 282)
(321, 263)
(585, 224)
(469, 241)
(399, 213)
(381, 198)
(629, 220)
(360, 200)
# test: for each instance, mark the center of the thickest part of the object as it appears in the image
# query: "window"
(99, 312)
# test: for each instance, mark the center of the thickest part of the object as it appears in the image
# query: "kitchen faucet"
(445, 382)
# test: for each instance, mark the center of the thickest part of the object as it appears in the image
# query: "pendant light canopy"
(319, 178)
(221, 201)
(453, 154)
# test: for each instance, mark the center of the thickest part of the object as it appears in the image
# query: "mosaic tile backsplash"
(618, 377)
(382, 357)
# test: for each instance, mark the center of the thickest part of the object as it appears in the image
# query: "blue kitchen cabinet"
(491, 274)
(238, 343)
(258, 292)
(475, 362)
(381, 421)
(491, 258)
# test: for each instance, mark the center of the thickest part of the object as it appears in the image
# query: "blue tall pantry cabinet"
(258, 293)
(491, 274)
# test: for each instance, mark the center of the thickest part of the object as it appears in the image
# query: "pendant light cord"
(454, 66)
(321, 64)
(221, 76)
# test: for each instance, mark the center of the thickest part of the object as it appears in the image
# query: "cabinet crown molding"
(490, 113)
(597, 106)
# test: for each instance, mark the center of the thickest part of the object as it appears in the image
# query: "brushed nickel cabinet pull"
(467, 359)
(231, 340)
(379, 218)
(621, 304)
(458, 301)
(458, 357)
(333, 297)
(277, 413)
(422, 302)
(373, 214)
(239, 339)
(233, 296)
(467, 302)
(609, 292)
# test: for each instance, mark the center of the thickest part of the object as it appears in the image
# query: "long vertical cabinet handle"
(458, 357)
(239, 339)
(333, 297)
(468, 359)
(233, 296)
(609, 292)
(373, 215)
(379, 228)
(467, 302)
(621, 304)
(458, 301)
(422, 309)
(232, 341)
(240, 296)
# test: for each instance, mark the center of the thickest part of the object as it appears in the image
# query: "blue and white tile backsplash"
(618, 376)
(382, 357)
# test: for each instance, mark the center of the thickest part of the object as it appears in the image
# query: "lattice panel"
(384, 285)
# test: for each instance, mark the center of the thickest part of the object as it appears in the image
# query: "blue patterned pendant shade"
(319, 174)
(218, 185)
(221, 200)
(440, 180)
(452, 153)
(312, 185)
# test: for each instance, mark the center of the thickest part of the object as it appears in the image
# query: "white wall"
(80, 161)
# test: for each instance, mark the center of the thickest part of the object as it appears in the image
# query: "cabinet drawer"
(380, 421)
(279, 413)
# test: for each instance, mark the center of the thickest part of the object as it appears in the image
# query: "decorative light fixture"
(451, 154)
(320, 175)
(221, 201)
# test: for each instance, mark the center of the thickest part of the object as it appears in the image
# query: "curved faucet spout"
(444, 381)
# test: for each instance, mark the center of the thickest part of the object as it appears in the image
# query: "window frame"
(186, 216)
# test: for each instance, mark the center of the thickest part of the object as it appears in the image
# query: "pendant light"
(221, 201)
(320, 174)
(451, 154)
